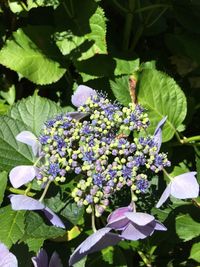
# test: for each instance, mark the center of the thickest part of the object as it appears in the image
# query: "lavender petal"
(53, 218)
(21, 175)
(160, 227)
(185, 186)
(97, 241)
(30, 139)
(117, 219)
(132, 233)
(158, 133)
(41, 260)
(55, 260)
(81, 95)
(7, 259)
(21, 202)
(139, 218)
(164, 196)
(77, 115)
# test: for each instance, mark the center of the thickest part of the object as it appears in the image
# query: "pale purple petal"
(139, 218)
(131, 232)
(117, 219)
(41, 260)
(53, 218)
(185, 186)
(21, 175)
(21, 202)
(164, 196)
(55, 260)
(30, 139)
(96, 242)
(158, 133)
(81, 95)
(7, 259)
(160, 227)
(77, 115)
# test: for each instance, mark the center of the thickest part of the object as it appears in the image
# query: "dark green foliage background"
(48, 48)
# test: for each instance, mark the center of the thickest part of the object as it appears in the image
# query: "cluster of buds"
(104, 147)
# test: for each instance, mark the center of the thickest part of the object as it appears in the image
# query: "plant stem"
(167, 174)
(67, 10)
(45, 191)
(20, 191)
(142, 9)
(190, 139)
(144, 258)
(120, 7)
(157, 18)
(128, 24)
(93, 221)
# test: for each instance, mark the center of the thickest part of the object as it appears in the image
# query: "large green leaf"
(36, 228)
(34, 244)
(186, 227)
(195, 252)
(34, 111)
(162, 96)
(12, 152)
(12, 225)
(22, 55)
(73, 213)
(3, 183)
(92, 43)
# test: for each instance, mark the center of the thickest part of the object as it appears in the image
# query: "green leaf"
(9, 96)
(12, 225)
(22, 55)
(34, 244)
(186, 227)
(195, 252)
(3, 183)
(34, 111)
(19, 6)
(161, 96)
(120, 88)
(13, 153)
(55, 203)
(73, 213)
(126, 66)
(93, 42)
(36, 228)
(3, 108)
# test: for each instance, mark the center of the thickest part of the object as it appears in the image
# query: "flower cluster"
(101, 149)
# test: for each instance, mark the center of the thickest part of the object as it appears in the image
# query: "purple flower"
(21, 202)
(134, 225)
(95, 242)
(21, 175)
(7, 259)
(158, 133)
(81, 95)
(41, 260)
(182, 186)
(30, 139)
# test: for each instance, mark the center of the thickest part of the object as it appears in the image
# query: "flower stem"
(142, 9)
(93, 221)
(144, 258)
(167, 174)
(120, 7)
(45, 191)
(128, 24)
(20, 191)
(190, 139)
